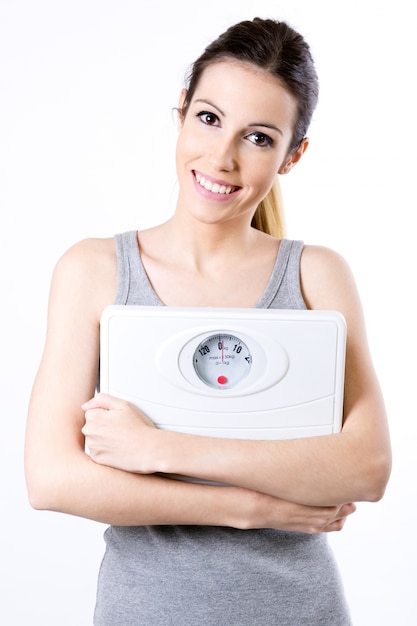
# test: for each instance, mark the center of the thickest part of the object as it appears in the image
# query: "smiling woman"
(186, 553)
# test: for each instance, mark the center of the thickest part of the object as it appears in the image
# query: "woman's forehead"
(228, 84)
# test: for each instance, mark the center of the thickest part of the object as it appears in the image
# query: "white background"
(87, 135)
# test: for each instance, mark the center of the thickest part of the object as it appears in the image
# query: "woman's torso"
(195, 575)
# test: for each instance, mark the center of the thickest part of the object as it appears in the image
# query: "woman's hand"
(269, 512)
(118, 434)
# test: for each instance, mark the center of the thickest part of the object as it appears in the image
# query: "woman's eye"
(208, 118)
(260, 139)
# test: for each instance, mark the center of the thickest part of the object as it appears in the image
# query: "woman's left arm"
(320, 471)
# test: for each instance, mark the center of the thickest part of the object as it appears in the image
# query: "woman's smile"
(211, 188)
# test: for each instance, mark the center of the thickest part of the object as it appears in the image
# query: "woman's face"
(233, 141)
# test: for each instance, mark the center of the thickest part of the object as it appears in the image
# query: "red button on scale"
(222, 380)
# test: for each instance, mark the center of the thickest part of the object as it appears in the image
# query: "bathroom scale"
(241, 373)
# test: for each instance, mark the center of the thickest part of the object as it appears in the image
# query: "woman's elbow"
(51, 482)
(41, 489)
(38, 501)
(375, 477)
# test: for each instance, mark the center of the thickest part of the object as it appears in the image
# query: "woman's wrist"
(169, 451)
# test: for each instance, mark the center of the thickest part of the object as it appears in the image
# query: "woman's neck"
(199, 243)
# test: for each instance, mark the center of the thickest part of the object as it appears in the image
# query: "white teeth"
(213, 187)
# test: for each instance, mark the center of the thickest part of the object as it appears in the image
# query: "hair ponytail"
(269, 216)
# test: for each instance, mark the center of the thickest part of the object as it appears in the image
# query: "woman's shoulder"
(326, 277)
(88, 254)
(322, 257)
(88, 267)
(89, 248)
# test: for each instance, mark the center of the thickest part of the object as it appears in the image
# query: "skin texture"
(236, 133)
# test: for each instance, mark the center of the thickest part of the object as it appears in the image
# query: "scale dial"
(222, 360)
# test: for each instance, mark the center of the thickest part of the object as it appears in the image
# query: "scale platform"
(225, 372)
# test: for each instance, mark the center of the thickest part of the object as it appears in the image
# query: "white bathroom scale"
(243, 373)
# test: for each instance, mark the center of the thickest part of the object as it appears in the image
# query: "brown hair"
(278, 49)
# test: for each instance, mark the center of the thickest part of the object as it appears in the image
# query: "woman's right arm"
(62, 477)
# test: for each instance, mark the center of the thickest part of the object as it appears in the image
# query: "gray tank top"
(215, 576)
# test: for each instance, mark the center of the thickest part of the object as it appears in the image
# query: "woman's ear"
(294, 157)
(181, 105)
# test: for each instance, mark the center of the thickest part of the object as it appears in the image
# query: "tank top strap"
(284, 288)
(133, 286)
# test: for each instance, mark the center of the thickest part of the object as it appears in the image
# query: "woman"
(183, 553)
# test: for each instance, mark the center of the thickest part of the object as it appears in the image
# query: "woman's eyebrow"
(267, 125)
(210, 104)
(253, 124)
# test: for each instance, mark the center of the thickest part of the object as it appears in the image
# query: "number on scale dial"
(222, 361)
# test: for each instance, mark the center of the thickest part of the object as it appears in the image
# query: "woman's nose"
(223, 153)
